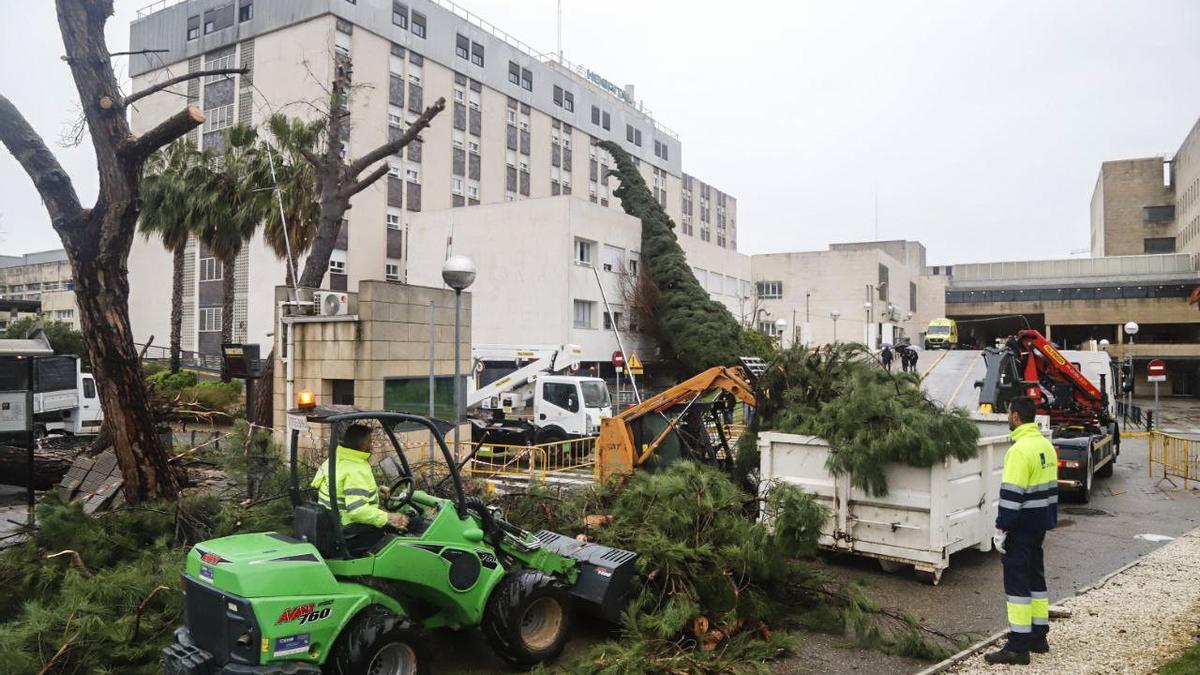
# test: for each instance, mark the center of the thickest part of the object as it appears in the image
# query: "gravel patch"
(1131, 623)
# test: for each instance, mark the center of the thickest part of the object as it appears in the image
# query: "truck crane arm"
(541, 360)
(1038, 370)
(616, 449)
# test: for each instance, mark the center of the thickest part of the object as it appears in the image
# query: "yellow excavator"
(672, 425)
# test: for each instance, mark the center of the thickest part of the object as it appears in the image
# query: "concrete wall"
(1186, 167)
(816, 283)
(388, 336)
(529, 280)
(1123, 189)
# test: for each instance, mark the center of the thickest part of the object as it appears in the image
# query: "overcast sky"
(978, 127)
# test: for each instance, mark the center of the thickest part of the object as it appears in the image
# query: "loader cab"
(570, 407)
(321, 526)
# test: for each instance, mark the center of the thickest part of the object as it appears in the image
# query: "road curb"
(974, 649)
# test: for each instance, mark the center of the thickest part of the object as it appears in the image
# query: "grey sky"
(981, 126)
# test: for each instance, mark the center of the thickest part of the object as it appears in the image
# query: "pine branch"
(155, 88)
(52, 182)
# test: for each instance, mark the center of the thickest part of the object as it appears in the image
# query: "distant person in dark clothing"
(885, 355)
(1012, 344)
(911, 357)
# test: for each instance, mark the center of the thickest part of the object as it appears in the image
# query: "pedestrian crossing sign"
(635, 364)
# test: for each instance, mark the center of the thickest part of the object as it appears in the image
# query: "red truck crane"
(1083, 430)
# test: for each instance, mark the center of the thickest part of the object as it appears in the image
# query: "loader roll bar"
(387, 420)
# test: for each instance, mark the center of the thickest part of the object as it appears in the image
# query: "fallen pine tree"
(718, 592)
(869, 416)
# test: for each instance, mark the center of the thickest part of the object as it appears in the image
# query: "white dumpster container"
(926, 515)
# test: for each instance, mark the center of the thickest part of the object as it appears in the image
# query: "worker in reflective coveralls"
(364, 523)
(1028, 508)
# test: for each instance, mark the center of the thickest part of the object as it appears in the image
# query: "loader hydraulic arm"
(616, 449)
(1086, 394)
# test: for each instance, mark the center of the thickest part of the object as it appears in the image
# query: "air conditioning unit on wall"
(331, 303)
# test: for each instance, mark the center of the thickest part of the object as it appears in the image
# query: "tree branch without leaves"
(390, 148)
(154, 89)
(168, 130)
(48, 176)
(355, 188)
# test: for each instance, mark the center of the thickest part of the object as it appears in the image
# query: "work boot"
(1039, 645)
(1007, 657)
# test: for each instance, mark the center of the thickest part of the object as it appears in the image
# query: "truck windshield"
(939, 330)
(595, 394)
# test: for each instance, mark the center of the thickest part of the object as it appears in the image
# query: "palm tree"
(228, 205)
(166, 213)
(296, 178)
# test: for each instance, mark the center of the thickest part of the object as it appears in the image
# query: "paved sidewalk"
(1131, 623)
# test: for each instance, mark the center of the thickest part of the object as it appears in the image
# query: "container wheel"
(377, 642)
(1106, 471)
(527, 619)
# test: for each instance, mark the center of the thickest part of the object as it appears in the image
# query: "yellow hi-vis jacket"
(357, 493)
(1029, 486)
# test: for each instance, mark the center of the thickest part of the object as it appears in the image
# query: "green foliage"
(692, 330)
(173, 382)
(869, 416)
(1187, 663)
(223, 397)
(757, 343)
(87, 620)
(152, 368)
(63, 337)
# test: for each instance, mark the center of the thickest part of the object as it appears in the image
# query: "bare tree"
(337, 179)
(97, 238)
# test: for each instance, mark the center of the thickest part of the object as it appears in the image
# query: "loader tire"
(527, 619)
(380, 643)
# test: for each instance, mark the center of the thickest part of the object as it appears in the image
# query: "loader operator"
(1028, 508)
(364, 523)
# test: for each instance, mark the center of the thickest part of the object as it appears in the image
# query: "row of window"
(564, 99)
(414, 22)
(35, 286)
(467, 49)
(522, 77)
(584, 312)
(219, 18)
(1066, 294)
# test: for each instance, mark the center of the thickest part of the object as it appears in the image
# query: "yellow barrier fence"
(1177, 456)
(533, 462)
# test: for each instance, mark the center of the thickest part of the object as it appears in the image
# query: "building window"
(210, 319)
(1158, 214)
(456, 185)
(527, 79)
(462, 47)
(193, 27)
(391, 272)
(246, 11)
(208, 27)
(1158, 245)
(883, 282)
(583, 313)
(612, 321)
(337, 266)
(211, 269)
(583, 252)
(596, 115)
(473, 191)
(514, 73)
(558, 95)
(569, 101)
(912, 296)
(418, 24)
(770, 290)
(400, 14)
(477, 54)
(342, 392)
(606, 120)
(413, 175)
(393, 221)
(216, 119)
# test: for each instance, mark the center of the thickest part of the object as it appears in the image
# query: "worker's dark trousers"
(1025, 588)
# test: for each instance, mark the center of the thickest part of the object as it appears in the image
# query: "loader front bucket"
(605, 583)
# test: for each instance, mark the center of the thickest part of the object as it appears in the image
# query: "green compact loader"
(272, 603)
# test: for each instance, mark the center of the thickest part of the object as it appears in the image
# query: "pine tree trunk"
(264, 405)
(317, 264)
(177, 306)
(102, 293)
(228, 285)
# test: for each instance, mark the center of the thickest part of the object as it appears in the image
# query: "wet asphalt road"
(1092, 540)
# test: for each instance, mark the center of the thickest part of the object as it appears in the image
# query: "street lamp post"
(459, 273)
(835, 314)
(1131, 329)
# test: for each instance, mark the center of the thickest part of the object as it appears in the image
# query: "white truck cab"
(519, 397)
(566, 406)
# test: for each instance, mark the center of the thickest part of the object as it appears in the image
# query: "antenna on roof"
(560, 49)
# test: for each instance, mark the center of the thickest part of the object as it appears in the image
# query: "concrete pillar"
(1048, 333)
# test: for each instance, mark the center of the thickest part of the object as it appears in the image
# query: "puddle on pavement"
(1083, 511)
